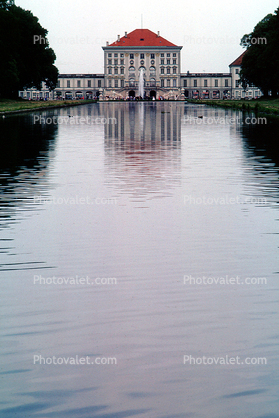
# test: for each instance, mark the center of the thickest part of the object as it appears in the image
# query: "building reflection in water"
(142, 125)
(143, 147)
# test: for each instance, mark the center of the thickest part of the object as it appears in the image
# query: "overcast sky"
(209, 31)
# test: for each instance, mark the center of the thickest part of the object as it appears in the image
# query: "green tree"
(26, 58)
(5, 4)
(260, 64)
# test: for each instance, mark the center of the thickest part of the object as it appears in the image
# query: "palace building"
(142, 50)
(159, 60)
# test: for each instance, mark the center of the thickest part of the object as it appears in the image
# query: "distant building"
(206, 85)
(160, 62)
(143, 50)
(251, 91)
(69, 86)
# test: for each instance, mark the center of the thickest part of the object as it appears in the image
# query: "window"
(185, 83)
(168, 55)
(226, 83)
(168, 62)
(168, 70)
(109, 83)
(121, 62)
(116, 55)
(162, 70)
(109, 71)
(88, 83)
(131, 56)
(152, 69)
(237, 71)
(174, 82)
(168, 82)
(162, 83)
(116, 62)
(162, 55)
(174, 61)
(68, 83)
(216, 83)
(58, 83)
(152, 82)
(205, 83)
(122, 82)
(162, 62)
(122, 70)
(121, 55)
(99, 83)
(195, 83)
(131, 69)
(109, 55)
(142, 56)
(174, 54)
(78, 83)
(152, 56)
(174, 70)
(116, 70)
(116, 83)
(109, 62)
(236, 83)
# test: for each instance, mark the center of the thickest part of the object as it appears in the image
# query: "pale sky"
(209, 31)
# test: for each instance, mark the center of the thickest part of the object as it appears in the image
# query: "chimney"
(107, 43)
(125, 34)
(158, 33)
(118, 38)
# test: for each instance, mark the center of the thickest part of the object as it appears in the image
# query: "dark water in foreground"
(149, 246)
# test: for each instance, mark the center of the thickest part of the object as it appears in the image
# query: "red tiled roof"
(238, 61)
(142, 37)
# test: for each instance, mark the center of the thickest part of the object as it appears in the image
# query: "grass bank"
(266, 106)
(16, 106)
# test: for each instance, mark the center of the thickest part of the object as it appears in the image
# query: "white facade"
(251, 92)
(160, 65)
(69, 86)
(206, 85)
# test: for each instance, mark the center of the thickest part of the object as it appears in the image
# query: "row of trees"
(260, 64)
(25, 56)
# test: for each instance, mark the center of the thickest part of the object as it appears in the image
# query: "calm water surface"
(152, 206)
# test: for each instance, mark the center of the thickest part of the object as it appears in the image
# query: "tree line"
(260, 63)
(25, 56)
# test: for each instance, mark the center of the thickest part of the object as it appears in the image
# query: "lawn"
(7, 105)
(267, 106)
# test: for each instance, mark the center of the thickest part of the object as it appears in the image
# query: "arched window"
(152, 69)
(131, 69)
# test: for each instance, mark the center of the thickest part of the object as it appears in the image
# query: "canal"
(139, 262)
